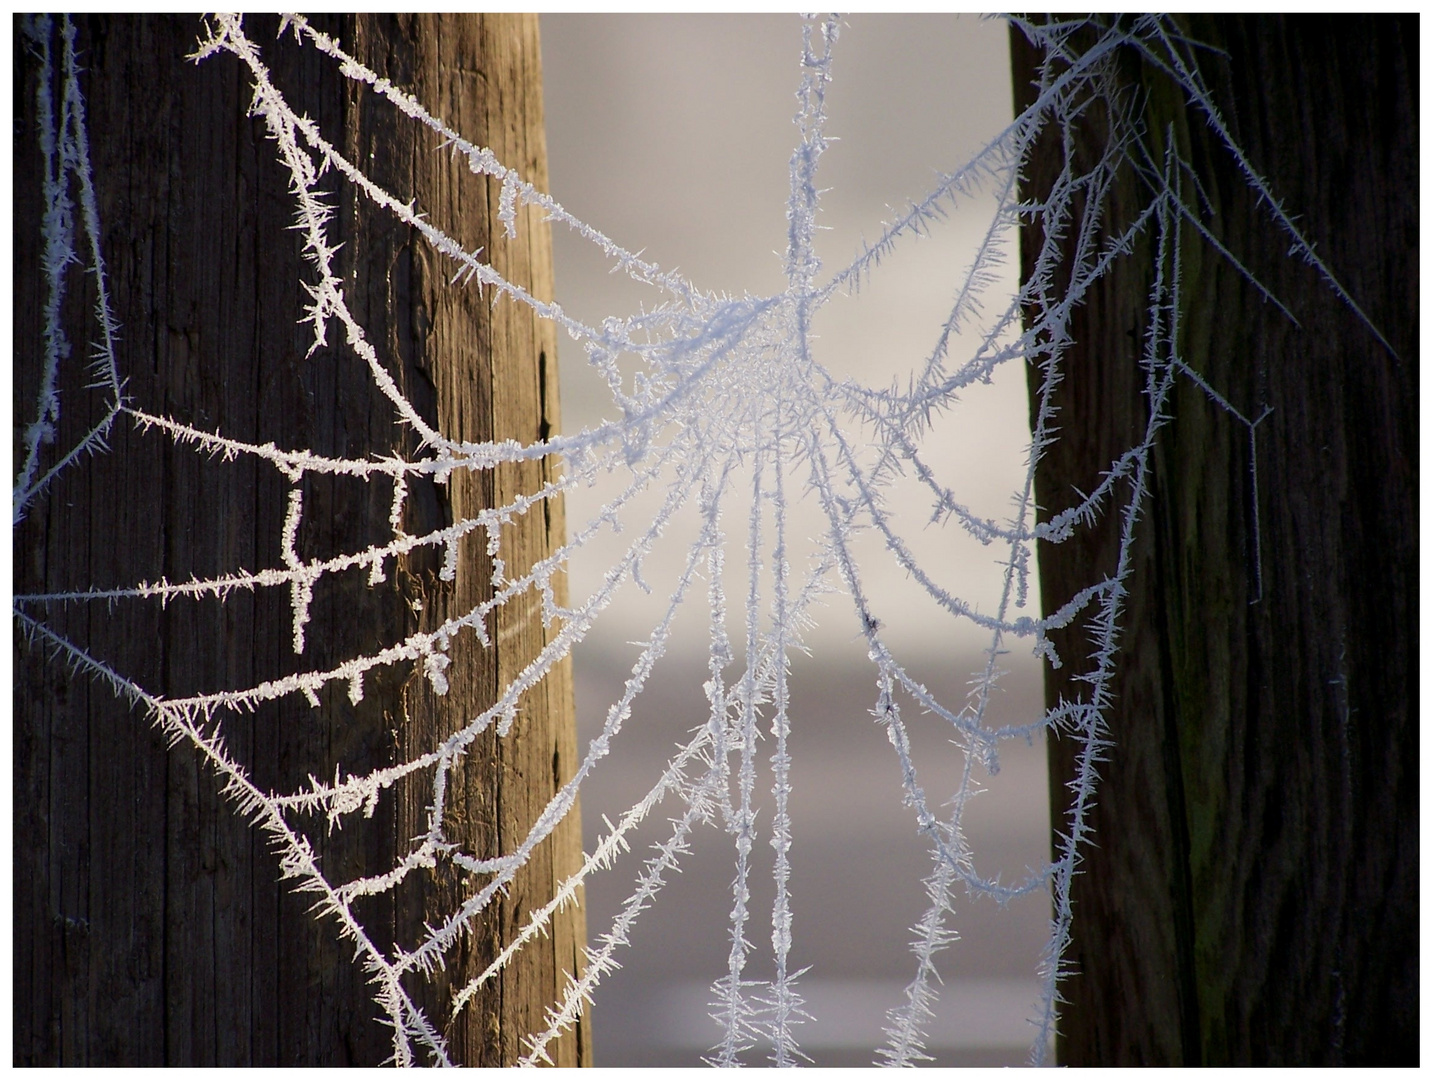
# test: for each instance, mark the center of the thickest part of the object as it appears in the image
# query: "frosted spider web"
(729, 412)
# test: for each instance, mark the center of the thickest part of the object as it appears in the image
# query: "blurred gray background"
(673, 134)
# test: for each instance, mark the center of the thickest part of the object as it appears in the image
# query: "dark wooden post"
(1251, 896)
(150, 927)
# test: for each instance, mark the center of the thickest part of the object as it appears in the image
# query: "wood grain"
(150, 927)
(1251, 896)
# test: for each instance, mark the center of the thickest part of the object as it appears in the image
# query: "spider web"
(725, 409)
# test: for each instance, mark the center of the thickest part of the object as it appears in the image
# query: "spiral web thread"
(731, 411)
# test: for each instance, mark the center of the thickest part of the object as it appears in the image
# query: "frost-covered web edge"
(64, 143)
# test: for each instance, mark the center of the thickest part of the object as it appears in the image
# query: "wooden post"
(1251, 893)
(150, 927)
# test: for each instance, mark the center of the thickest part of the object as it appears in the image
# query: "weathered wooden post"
(1251, 896)
(149, 924)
